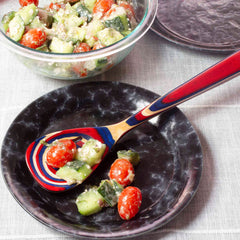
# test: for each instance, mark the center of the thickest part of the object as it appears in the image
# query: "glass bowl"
(65, 66)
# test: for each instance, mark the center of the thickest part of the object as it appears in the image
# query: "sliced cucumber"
(68, 17)
(92, 30)
(90, 65)
(117, 19)
(94, 27)
(59, 46)
(73, 21)
(91, 152)
(62, 13)
(89, 202)
(90, 4)
(96, 65)
(109, 36)
(16, 28)
(76, 34)
(110, 191)
(119, 23)
(133, 157)
(101, 63)
(90, 40)
(83, 11)
(117, 187)
(6, 19)
(28, 13)
(70, 10)
(74, 172)
(36, 23)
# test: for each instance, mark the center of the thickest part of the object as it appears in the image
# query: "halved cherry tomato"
(24, 3)
(61, 152)
(82, 47)
(129, 202)
(34, 38)
(122, 171)
(102, 6)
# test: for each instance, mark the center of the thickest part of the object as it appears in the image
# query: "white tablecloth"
(157, 65)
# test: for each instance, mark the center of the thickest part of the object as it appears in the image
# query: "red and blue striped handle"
(210, 78)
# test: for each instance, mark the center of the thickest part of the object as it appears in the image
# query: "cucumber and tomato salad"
(75, 165)
(61, 26)
(71, 26)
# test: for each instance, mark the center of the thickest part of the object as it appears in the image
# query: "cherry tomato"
(24, 3)
(61, 152)
(122, 171)
(83, 73)
(102, 6)
(129, 202)
(80, 70)
(55, 6)
(82, 47)
(109, 12)
(97, 45)
(128, 7)
(34, 38)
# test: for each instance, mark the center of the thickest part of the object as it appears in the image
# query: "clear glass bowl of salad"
(73, 39)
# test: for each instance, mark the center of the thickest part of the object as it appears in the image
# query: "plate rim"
(158, 28)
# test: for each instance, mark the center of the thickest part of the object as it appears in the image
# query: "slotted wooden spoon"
(45, 174)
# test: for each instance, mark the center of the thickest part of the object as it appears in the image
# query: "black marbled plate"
(168, 175)
(203, 24)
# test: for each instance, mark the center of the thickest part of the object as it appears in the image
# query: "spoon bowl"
(208, 79)
(45, 174)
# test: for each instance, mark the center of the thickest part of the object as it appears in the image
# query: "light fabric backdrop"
(157, 65)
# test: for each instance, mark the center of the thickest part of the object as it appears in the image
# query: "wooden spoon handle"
(210, 78)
